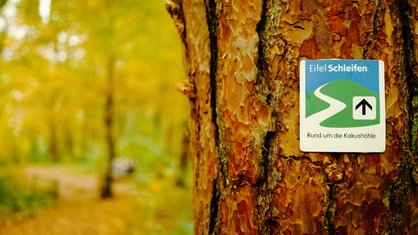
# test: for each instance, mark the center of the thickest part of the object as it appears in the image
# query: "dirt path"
(78, 209)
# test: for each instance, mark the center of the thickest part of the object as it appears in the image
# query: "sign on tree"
(342, 106)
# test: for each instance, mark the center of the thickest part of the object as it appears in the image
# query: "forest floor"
(78, 209)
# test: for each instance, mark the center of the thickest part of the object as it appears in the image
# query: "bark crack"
(332, 181)
(411, 69)
(266, 185)
(212, 23)
(266, 182)
(330, 210)
(400, 188)
(214, 208)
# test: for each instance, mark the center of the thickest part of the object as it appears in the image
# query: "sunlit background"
(66, 69)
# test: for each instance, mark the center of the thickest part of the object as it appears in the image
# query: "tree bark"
(242, 60)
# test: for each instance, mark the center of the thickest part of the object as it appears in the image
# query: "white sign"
(342, 106)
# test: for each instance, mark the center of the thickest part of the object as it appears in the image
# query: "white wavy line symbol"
(335, 106)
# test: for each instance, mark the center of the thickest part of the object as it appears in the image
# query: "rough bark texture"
(242, 60)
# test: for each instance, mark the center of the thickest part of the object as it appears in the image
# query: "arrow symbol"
(363, 104)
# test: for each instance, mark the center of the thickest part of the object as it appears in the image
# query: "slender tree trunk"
(53, 142)
(54, 150)
(69, 140)
(183, 159)
(242, 60)
(109, 124)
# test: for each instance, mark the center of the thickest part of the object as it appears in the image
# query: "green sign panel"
(342, 106)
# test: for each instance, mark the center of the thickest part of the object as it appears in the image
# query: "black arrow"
(363, 104)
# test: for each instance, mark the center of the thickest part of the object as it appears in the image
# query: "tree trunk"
(183, 159)
(242, 60)
(54, 149)
(106, 191)
(53, 142)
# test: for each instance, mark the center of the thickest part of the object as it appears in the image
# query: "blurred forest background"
(66, 68)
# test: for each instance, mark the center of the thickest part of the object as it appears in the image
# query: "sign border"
(350, 145)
